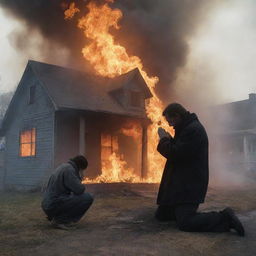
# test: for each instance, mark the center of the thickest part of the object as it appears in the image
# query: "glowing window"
(28, 143)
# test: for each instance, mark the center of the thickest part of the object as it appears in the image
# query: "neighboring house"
(57, 113)
(235, 137)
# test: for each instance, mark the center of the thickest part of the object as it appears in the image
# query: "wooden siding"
(67, 139)
(1, 169)
(29, 172)
(66, 136)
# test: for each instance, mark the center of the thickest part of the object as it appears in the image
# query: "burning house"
(234, 143)
(57, 113)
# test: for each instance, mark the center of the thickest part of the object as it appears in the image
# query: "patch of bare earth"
(121, 222)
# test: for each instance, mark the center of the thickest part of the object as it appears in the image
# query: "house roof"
(237, 116)
(69, 88)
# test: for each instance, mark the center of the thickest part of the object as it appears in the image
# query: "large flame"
(110, 59)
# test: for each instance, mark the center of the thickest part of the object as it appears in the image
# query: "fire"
(110, 59)
(69, 13)
(132, 130)
(117, 172)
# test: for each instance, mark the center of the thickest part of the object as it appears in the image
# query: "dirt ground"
(121, 222)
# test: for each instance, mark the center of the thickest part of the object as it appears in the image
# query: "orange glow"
(110, 60)
(132, 130)
(28, 143)
(116, 172)
(71, 11)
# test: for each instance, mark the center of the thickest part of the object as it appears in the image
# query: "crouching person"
(65, 200)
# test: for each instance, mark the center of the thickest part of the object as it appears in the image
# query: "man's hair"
(173, 109)
(80, 161)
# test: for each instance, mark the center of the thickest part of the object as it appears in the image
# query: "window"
(32, 93)
(136, 99)
(109, 145)
(28, 143)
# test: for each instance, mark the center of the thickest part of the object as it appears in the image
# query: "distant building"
(57, 113)
(235, 134)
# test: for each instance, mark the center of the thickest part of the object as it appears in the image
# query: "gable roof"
(73, 89)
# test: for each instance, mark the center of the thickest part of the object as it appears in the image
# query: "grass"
(22, 223)
(115, 225)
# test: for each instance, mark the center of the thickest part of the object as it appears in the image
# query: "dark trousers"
(188, 219)
(70, 209)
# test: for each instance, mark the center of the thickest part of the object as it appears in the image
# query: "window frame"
(31, 142)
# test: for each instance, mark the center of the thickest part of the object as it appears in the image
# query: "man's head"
(174, 114)
(80, 161)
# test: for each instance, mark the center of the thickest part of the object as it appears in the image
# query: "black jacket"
(185, 176)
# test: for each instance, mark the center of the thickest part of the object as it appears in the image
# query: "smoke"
(220, 67)
(155, 30)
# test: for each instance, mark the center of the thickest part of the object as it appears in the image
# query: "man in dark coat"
(185, 178)
(65, 200)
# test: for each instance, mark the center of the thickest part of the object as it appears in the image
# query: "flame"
(110, 59)
(132, 130)
(117, 172)
(71, 11)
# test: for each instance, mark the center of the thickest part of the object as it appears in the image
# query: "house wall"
(2, 170)
(236, 153)
(93, 124)
(66, 136)
(67, 139)
(29, 172)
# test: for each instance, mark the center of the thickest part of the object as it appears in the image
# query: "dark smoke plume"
(155, 30)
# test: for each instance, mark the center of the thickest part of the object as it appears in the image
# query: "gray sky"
(13, 62)
(221, 64)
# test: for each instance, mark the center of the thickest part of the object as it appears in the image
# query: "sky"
(13, 61)
(222, 61)
(220, 66)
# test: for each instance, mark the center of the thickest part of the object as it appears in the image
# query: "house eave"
(127, 114)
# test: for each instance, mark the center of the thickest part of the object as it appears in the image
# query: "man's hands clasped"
(163, 133)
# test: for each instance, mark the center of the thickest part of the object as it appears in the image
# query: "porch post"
(144, 164)
(82, 149)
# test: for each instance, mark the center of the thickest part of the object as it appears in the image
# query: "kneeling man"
(185, 178)
(65, 200)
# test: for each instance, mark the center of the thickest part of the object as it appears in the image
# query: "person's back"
(64, 199)
(62, 182)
